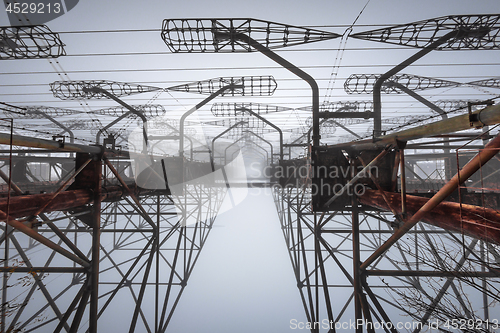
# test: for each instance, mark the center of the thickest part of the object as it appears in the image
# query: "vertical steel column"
(96, 236)
(484, 283)
(356, 254)
(5, 277)
(7, 231)
(403, 183)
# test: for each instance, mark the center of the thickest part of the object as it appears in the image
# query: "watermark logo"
(36, 12)
(351, 324)
(329, 181)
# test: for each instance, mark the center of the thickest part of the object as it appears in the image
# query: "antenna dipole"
(217, 35)
(474, 32)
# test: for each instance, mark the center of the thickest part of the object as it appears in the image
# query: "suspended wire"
(329, 92)
(318, 79)
(157, 30)
(336, 66)
(176, 99)
(20, 127)
(300, 120)
(197, 69)
(164, 53)
(295, 100)
(340, 54)
(13, 106)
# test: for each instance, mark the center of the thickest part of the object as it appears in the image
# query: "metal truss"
(471, 32)
(427, 276)
(238, 133)
(94, 241)
(182, 35)
(448, 106)
(168, 125)
(251, 114)
(355, 253)
(214, 35)
(29, 42)
(81, 238)
(158, 266)
(94, 127)
(419, 278)
(408, 120)
(90, 125)
(75, 90)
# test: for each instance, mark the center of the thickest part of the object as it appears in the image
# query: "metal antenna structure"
(461, 32)
(108, 238)
(29, 42)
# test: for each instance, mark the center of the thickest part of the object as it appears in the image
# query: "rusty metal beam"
(27, 205)
(93, 276)
(478, 222)
(490, 150)
(25, 141)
